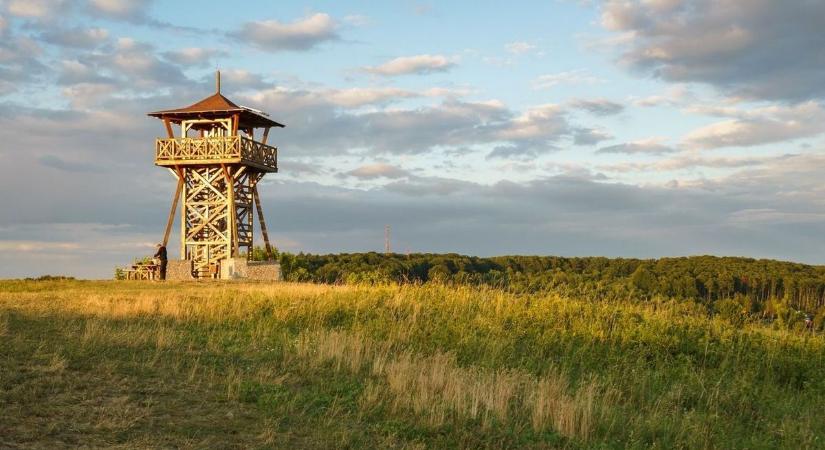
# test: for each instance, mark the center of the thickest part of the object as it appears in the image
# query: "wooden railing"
(262, 153)
(209, 150)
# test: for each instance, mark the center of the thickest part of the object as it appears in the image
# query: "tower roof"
(218, 106)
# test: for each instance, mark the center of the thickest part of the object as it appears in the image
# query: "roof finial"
(218, 81)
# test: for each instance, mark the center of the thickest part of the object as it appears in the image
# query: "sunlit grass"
(302, 365)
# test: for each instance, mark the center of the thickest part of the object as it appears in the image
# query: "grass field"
(134, 365)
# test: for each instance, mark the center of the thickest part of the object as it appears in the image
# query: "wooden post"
(169, 131)
(232, 216)
(263, 222)
(171, 219)
(266, 135)
(183, 217)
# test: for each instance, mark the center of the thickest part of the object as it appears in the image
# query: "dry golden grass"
(295, 365)
(436, 388)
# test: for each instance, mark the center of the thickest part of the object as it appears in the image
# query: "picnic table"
(142, 271)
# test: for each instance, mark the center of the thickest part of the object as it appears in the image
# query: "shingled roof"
(217, 106)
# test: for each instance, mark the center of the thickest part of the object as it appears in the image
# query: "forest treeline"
(740, 288)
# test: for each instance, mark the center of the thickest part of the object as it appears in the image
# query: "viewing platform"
(216, 150)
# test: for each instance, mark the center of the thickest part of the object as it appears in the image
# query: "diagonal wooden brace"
(263, 222)
(171, 219)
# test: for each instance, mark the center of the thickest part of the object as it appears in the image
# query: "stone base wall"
(263, 270)
(177, 269)
(231, 269)
(241, 269)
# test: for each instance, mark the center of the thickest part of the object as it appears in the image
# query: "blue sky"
(619, 128)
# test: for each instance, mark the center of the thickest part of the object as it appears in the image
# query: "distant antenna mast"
(386, 239)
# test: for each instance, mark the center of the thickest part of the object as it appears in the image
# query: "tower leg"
(263, 222)
(171, 219)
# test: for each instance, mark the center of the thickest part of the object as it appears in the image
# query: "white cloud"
(34, 9)
(649, 146)
(598, 106)
(758, 126)
(537, 122)
(302, 34)
(36, 246)
(579, 76)
(378, 170)
(121, 9)
(197, 56)
(355, 97)
(675, 96)
(418, 64)
(88, 95)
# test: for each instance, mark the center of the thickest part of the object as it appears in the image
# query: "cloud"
(519, 48)
(446, 126)
(567, 215)
(757, 49)
(690, 162)
(650, 146)
(378, 170)
(58, 163)
(674, 96)
(291, 167)
(76, 37)
(37, 9)
(532, 132)
(598, 106)
(538, 122)
(299, 35)
(590, 136)
(88, 95)
(120, 9)
(451, 123)
(418, 64)
(355, 97)
(194, 56)
(127, 67)
(758, 126)
(579, 76)
(21, 63)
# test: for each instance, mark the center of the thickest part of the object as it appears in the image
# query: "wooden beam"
(183, 209)
(233, 218)
(169, 128)
(171, 219)
(263, 222)
(236, 121)
(266, 136)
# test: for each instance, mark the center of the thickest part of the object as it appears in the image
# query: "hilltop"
(738, 288)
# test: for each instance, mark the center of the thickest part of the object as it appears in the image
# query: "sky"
(576, 128)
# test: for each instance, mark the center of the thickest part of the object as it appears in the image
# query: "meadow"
(294, 365)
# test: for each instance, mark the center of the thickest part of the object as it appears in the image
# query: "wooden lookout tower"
(218, 164)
